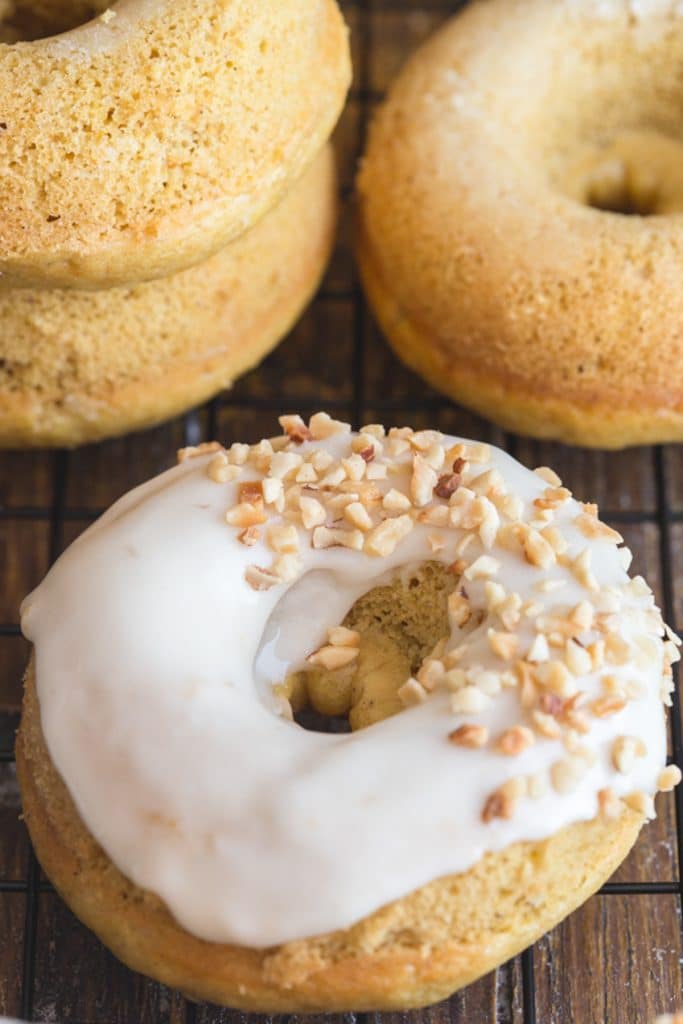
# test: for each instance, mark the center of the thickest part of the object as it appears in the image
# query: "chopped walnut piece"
(498, 805)
(469, 735)
(447, 484)
(503, 644)
(515, 740)
(609, 804)
(385, 537)
(603, 707)
(192, 451)
(333, 656)
(422, 482)
(249, 537)
(260, 579)
(549, 475)
(312, 512)
(246, 514)
(625, 750)
(412, 693)
(668, 778)
(325, 538)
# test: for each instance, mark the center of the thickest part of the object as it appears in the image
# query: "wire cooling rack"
(619, 959)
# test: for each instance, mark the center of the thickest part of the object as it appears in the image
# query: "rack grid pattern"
(353, 374)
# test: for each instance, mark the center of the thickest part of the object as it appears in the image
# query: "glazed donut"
(78, 366)
(494, 241)
(143, 141)
(214, 843)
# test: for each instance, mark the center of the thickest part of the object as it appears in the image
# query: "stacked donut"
(167, 201)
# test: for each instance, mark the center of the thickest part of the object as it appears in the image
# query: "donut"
(519, 219)
(495, 777)
(145, 140)
(77, 366)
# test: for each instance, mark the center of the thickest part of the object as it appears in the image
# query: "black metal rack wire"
(202, 424)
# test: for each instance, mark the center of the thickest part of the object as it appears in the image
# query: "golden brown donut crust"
(141, 143)
(486, 271)
(80, 366)
(412, 952)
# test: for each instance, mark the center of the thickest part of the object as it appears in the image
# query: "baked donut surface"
(77, 366)
(520, 233)
(146, 139)
(214, 843)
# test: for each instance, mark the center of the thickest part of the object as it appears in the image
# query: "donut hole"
(28, 20)
(399, 623)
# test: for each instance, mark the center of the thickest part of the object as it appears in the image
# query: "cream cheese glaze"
(156, 657)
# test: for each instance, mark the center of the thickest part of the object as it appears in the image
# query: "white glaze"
(155, 701)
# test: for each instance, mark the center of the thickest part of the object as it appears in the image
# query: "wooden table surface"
(619, 959)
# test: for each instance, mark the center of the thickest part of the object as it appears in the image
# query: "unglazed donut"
(145, 140)
(215, 844)
(77, 366)
(493, 241)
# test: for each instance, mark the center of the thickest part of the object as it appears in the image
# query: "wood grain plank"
(26, 479)
(13, 657)
(673, 465)
(78, 980)
(24, 553)
(14, 845)
(12, 909)
(617, 960)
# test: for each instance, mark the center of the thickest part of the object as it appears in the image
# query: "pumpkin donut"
(520, 203)
(145, 140)
(505, 677)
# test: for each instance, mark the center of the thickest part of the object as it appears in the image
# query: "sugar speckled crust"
(143, 141)
(78, 366)
(412, 952)
(487, 268)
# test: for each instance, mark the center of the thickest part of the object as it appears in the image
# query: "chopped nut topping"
(395, 501)
(515, 740)
(539, 650)
(260, 579)
(246, 514)
(283, 538)
(625, 750)
(312, 512)
(555, 677)
(617, 650)
(333, 656)
(447, 484)
(459, 609)
(581, 567)
(423, 482)
(412, 693)
(578, 659)
(566, 774)
(469, 700)
(273, 491)
(340, 636)
(641, 803)
(498, 805)
(594, 529)
(322, 426)
(668, 778)
(295, 429)
(324, 538)
(306, 474)
(549, 475)
(537, 550)
(382, 541)
(249, 537)
(287, 567)
(220, 470)
(357, 515)
(603, 707)
(503, 644)
(469, 735)
(546, 725)
(609, 804)
(192, 451)
(431, 673)
(484, 566)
